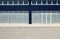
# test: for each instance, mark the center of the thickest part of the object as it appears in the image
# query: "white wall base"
(28, 25)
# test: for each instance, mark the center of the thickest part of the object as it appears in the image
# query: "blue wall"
(28, 8)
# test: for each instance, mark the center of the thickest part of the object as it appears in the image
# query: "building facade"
(30, 11)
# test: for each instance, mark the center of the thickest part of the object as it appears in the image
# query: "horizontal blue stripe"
(28, 8)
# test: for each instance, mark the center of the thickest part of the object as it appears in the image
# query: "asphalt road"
(29, 33)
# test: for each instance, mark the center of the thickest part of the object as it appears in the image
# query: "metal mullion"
(50, 17)
(8, 16)
(41, 2)
(36, 2)
(51, 2)
(12, 2)
(23, 2)
(42, 17)
(46, 17)
(2, 2)
(57, 2)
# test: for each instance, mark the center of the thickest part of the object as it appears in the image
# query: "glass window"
(5, 2)
(25, 2)
(54, 2)
(58, 2)
(10, 2)
(48, 17)
(58, 17)
(44, 2)
(36, 17)
(33, 2)
(38, 2)
(23, 17)
(54, 18)
(49, 2)
(0, 2)
(20, 2)
(15, 2)
(4, 17)
(13, 17)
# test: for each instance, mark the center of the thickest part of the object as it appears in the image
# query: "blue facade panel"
(28, 8)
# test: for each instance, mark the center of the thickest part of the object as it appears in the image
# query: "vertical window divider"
(18, 2)
(31, 2)
(8, 17)
(46, 17)
(41, 2)
(50, 17)
(23, 2)
(56, 16)
(28, 2)
(2, 3)
(46, 2)
(12, 2)
(18, 17)
(42, 17)
(51, 2)
(57, 2)
(7, 3)
(36, 2)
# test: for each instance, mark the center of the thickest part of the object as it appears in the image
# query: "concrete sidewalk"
(29, 33)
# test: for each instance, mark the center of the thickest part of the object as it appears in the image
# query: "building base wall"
(28, 25)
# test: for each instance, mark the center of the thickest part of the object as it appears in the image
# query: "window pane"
(54, 18)
(54, 2)
(38, 2)
(5, 2)
(58, 17)
(0, 2)
(15, 2)
(23, 18)
(44, 2)
(10, 2)
(36, 17)
(4, 17)
(25, 2)
(33, 2)
(58, 2)
(44, 16)
(18, 17)
(20, 2)
(48, 17)
(13, 17)
(49, 2)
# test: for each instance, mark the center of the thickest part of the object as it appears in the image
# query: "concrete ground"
(29, 33)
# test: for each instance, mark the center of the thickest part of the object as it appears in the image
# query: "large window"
(4, 2)
(26, 2)
(9, 2)
(14, 2)
(33, 2)
(45, 2)
(36, 17)
(58, 1)
(4, 17)
(20, 2)
(46, 17)
(38, 2)
(0, 2)
(55, 2)
(14, 17)
(49, 2)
